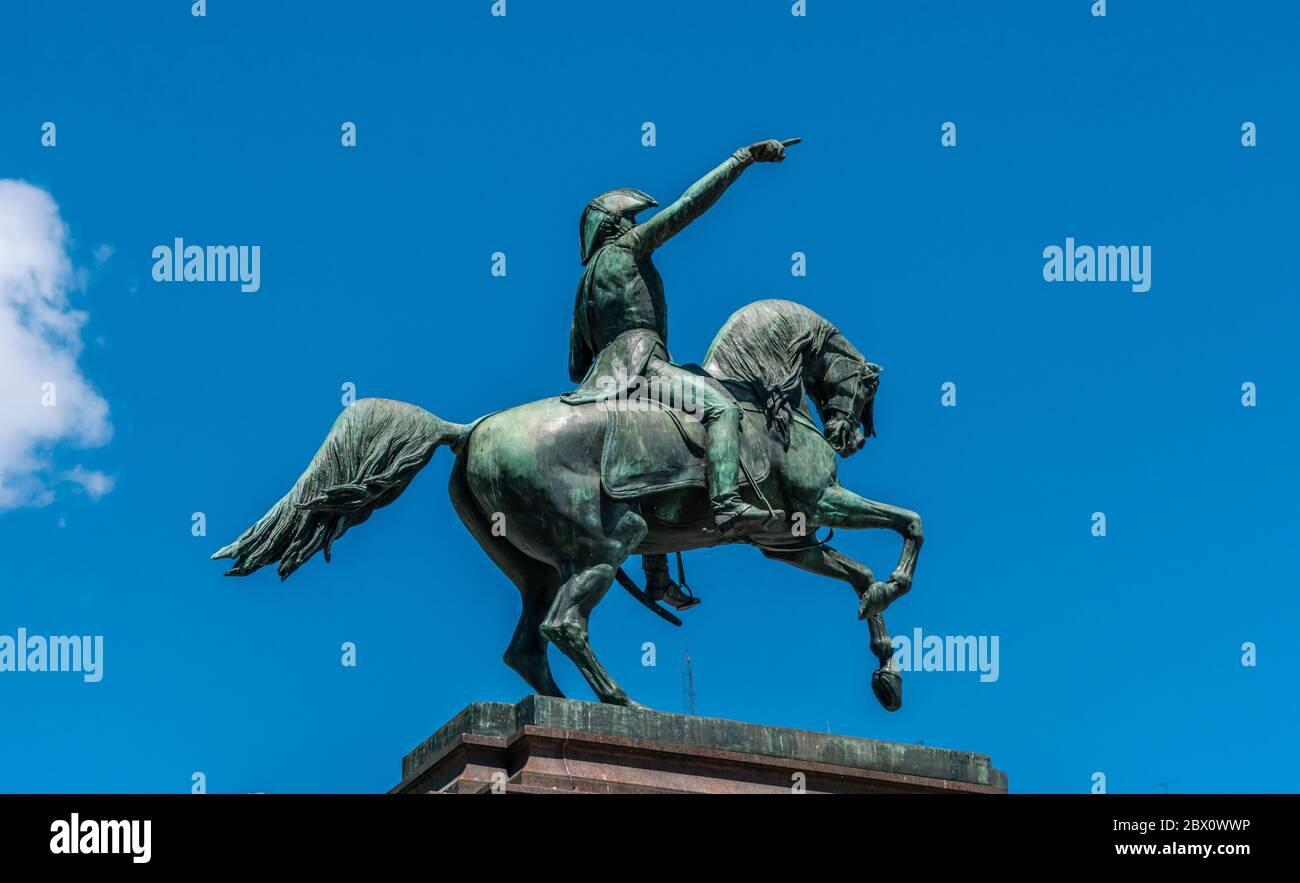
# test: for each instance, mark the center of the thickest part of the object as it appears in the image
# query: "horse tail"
(374, 449)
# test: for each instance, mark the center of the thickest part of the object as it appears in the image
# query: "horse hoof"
(887, 684)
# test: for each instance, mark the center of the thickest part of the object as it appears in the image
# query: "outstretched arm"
(645, 238)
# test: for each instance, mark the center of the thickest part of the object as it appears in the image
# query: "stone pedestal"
(545, 745)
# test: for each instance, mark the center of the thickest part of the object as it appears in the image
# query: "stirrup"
(680, 597)
(677, 596)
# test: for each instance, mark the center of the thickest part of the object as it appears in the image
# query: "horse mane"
(767, 342)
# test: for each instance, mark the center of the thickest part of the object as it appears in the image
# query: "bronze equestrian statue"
(559, 492)
(619, 335)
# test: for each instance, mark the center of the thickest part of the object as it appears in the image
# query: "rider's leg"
(660, 586)
(721, 418)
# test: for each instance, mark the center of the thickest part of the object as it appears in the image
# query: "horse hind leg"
(587, 577)
(527, 651)
(537, 584)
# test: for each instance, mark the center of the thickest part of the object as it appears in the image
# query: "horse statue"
(559, 496)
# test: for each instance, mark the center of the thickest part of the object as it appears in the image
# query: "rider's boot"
(730, 512)
(660, 586)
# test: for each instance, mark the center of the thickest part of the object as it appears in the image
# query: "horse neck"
(838, 345)
(802, 366)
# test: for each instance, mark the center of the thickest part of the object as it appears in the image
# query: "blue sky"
(1118, 654)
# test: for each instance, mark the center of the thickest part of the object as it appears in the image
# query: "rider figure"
(620, 333)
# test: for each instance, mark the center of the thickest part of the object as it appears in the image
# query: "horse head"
(843, 387)
(785, 350)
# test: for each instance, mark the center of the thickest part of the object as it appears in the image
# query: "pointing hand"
(767, 151)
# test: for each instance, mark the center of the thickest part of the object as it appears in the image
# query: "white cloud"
(92, 481)
(103, 253)
(40, 339)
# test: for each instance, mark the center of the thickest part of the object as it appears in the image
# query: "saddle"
(651, 448)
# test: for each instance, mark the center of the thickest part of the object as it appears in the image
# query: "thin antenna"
(688, 684)
(1165, 785)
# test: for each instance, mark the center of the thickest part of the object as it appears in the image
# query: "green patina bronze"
(645, 457)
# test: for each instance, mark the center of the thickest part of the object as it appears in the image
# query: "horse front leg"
(837, 507)
(886, 681)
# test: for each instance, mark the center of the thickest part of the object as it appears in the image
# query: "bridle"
(853, 405)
